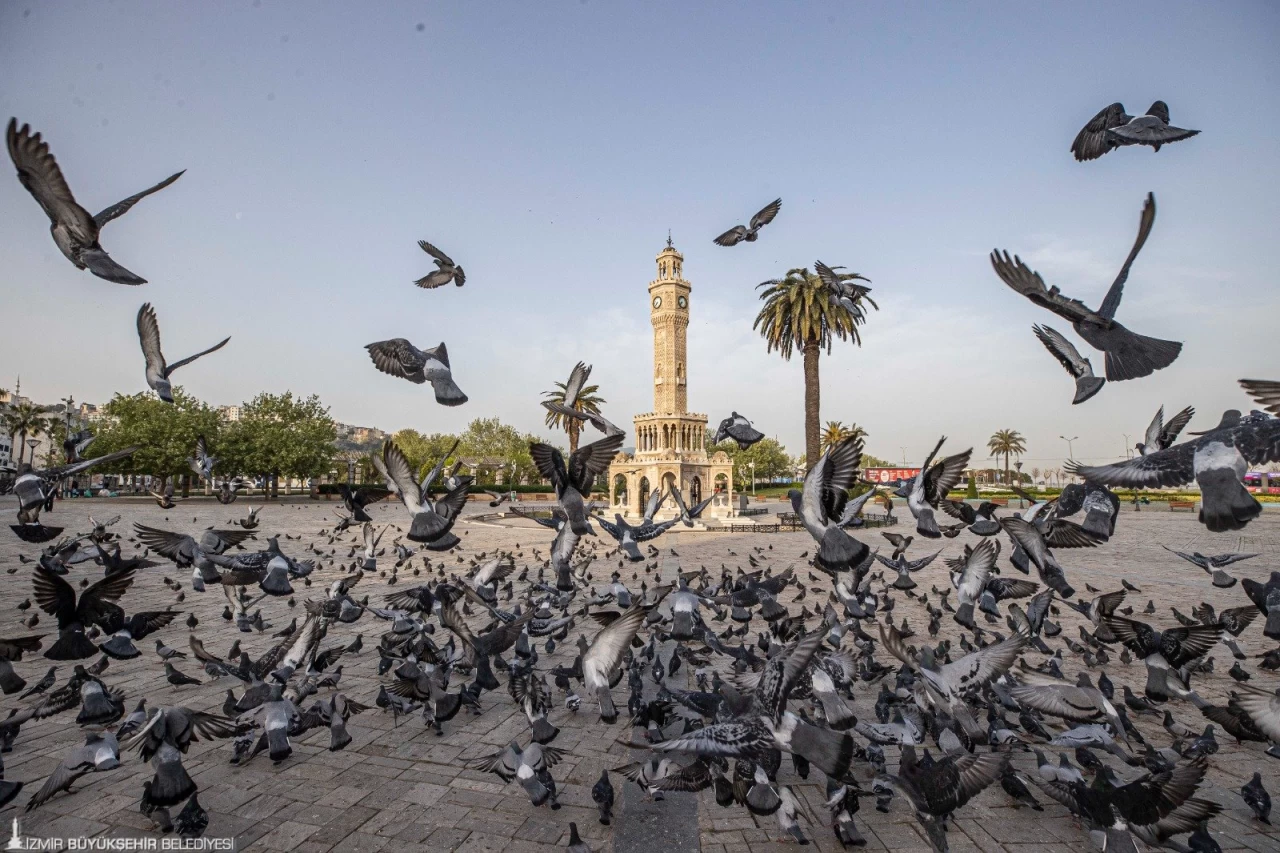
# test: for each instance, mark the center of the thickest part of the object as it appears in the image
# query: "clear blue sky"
(549, 146)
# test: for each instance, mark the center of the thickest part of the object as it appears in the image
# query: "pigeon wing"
(1112, 300)
(219, 345)
(39, 173)
(577, 379)
(1265, 392)
(399, 473)
(54, 595)
(435, 253)
(397, 357)
(1172, 467)
(944, 476)
(1175, 426)
(1024, 280)
(120, 208)
(1064, 351)
(1091, 142)
(149, 337)
(766, 214)
(586, 463)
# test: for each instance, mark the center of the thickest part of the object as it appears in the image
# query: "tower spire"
(669, 245)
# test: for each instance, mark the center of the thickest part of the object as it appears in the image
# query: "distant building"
(230, 414)
(359, 434)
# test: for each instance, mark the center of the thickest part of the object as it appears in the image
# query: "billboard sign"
(888, 475)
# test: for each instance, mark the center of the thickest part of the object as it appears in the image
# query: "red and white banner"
(888, 475)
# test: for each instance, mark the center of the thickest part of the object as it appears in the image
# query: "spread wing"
(122, 207)
(1176, 425)
(732, 237)
(944, 476)
(61, 471)
(435, 253)
(1172, 467)
(1112, 300)
(54, 595)
(399, 473)
(397, 357)
(766, 214)
(577, 379)
(607, 648)
(549, 462)
(1028, 282)
(1265, 392)
(588, 462)
(1091, 142)
(39, 173)
(149, 337)
(1064, 351)
(219, 345)
(163, 542)
(1067, 534)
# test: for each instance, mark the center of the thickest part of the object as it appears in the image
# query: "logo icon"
(15, 842)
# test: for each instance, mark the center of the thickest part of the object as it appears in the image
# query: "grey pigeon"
(1080, 368)
(397, 357)
(446, 270)
(750, 233)
(1128, 355)
(739, 429)
(74, 231)
(159, 370)
(1113, 128)
(574, 481)
(1160, 435)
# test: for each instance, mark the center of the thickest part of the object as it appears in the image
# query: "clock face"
(683, 303)
(657, 302)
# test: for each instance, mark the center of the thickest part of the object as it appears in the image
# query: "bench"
(1000, 501)
(1189, 506)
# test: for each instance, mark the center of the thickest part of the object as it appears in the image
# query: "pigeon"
(750, 233)
(74, 231)
(1161, 435)
(970, 574)
(159, 370)
(34, 490)
(1213, 562)
(602, 658)
(397, 357)
(42, 685)
(201, 463)
(193, 820)
(820, 506)
(1080, 368)
(529, 766)
(1100, 505)
(1113, 128)
(431, 521)
(100, 752)
(842, 288)
(1265, 597)
(574, 481)
(1217, 460)
(1165, 651)
(576, 844)
(1128, 355)
(446, 270)
(1257, 799)
(96, 606)
(930, 486)
(739, 429)
(935, 788)
(602, 796)
(164, 739)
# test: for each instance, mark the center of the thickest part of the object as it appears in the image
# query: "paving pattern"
(402, 788)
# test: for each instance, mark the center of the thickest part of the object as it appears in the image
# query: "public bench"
(1175, 506)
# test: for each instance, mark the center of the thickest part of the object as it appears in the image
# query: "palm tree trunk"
(812, 432)
(574, 427)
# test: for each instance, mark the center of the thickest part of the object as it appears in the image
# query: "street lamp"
(1071, 454)
(904, 455)
(351, 471)
(32, 442)
(1018, 466)
(752, 466)
(1128, 448)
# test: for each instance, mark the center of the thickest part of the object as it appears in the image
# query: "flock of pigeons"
(816, 685)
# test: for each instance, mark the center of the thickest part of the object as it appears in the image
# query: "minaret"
(669, 313)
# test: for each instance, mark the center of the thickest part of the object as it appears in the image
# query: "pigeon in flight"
(1265, 392)
(432, 521)
(446, 270)
(75, 444)
(34, 489)
(930, 487)
(573, 482)
(1128, 355)
(158, 370)
(201, 464)
(398, 357)
(739, 429)
(1069, 357)
(1113, 127)
(842, 288)
(74, 231)
(1161, 435)
(821, 504)
(1217, 460)
(749, 233)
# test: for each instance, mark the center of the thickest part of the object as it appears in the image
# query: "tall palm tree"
(588, 401)
(23, 420)
(800, 313)
(1006, 442)
(836, 431)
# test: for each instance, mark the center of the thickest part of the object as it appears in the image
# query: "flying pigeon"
(1069, 357)
(445, 272)
(1113, 127)
(739, 429)
(158, 370)
(1128, 355)
(750, 233)
(573, 482)
(397, 357)
(930, 487)
(74, 231)
(1161, 435)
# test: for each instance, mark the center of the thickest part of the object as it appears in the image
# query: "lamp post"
(904, 455)
(351, 471)
(1128, 448)
(1018, 466)
(1071, 454)
(32, 442)
(752, 466)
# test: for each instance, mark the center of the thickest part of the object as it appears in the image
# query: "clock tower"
(670, 441)
(669, 314)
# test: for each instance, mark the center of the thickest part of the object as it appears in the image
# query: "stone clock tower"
(669, 313)
(670, 440)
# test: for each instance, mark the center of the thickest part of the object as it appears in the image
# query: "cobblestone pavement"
(402, 788)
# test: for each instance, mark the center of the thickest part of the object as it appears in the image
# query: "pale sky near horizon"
(549, 147)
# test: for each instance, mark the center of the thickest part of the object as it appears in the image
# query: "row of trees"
(277, 435)
(500, 451)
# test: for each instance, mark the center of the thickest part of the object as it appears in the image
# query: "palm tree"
(587, 401)
(22, 420)
(1006, 442)
(800, 313)
(835, 432)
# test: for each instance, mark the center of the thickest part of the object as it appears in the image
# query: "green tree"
(1006, 442)
(869, 461)
(971, 491)
(423, 451)
(280, 435)
(800, 313)
(23, 421)
(588, 401)
(771, 459)
(164, 433)
(498, 447)
(836, 431)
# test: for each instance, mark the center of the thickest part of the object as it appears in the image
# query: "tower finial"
(669, 246)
